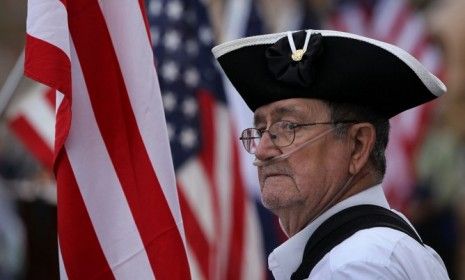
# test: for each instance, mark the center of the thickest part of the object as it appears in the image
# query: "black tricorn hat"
(328, 65)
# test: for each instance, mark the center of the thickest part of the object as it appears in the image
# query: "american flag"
(118, 210)
(244, 18)
(31, 117)
(222, 230)
(395, 22)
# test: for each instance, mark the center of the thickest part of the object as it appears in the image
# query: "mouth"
(274, 175)
(272, 172)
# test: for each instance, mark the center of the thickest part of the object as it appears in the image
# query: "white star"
(191, 77)
(188, 138)
(172, 40)
(155, 8)
(170, 71)
(206, 35)
(155, 34)
(192, 47)
(170, 130)
(189, 107)
(174, 10)
(169, 101)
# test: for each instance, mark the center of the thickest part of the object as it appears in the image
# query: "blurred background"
(426, 154)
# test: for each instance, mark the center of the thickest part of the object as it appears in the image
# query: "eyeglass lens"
(281, 134)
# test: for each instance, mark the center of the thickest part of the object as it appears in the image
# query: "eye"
(287, 126)
(260, 130)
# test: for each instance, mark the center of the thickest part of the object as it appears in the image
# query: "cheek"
(309, 178)
(317, 171)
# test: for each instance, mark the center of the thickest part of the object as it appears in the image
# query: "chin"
(275, 201)
(270, 204)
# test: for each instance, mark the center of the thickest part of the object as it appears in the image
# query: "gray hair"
(346, 111)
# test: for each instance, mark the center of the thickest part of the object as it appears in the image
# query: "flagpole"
(11, 83)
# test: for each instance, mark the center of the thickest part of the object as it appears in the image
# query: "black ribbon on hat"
(294, 68)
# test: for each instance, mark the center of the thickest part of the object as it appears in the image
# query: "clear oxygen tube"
(284, 156)
(328, 205)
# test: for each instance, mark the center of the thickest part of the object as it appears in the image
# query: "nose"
(266, 149)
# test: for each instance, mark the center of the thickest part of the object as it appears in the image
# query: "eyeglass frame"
(294, 126)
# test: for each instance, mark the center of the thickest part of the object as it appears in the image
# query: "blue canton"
(182, 39)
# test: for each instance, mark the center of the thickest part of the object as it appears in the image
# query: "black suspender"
(344, 224)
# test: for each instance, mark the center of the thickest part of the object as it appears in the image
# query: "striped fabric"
(221, 223)
(118, 209)
(32, 119)
(395, 22)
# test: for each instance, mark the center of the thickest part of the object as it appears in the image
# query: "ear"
(362, 136)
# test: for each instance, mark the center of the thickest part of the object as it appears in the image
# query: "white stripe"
(137, 65)
(398, 176)
(196, 188)
(237, 15)
(223, 180)
(196, 273)
(407, 120)
(253, 254)
(243, 117)
(352, 18)
(40, 115)
(291, 17)
(411, 33)
(46, 21)
(59, 96)
(63, 274)
(385, 14)
(431, 59)
(100, 188)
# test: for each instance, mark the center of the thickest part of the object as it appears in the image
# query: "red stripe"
(401, 19)
(47, 64)
(207, 127)
(118, 127)
(50, 96)
(194, 234)
(62, 125)
(207, 157)
(441, 72)
(420, 46)
(237, 240)
(366, 11)
(336, 22)
(82, 255)
(32, 140)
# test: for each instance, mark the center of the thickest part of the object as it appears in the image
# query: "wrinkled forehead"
(299, 109)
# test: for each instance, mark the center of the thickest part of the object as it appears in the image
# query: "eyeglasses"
(282, 134)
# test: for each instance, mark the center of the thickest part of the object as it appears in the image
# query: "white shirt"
(375, 253)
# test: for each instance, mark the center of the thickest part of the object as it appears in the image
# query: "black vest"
(344, 224)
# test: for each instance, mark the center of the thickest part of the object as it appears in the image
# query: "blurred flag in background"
(31, 117)
(118, 211)
(244, 18)
(222, 228)
(395, 22)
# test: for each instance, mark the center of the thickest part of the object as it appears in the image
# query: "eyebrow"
(279, 112)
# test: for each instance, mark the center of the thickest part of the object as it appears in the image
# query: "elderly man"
(322, 102)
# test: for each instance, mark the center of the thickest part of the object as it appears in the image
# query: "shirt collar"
(286, 258)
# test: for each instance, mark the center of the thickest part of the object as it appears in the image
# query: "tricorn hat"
(328, 65)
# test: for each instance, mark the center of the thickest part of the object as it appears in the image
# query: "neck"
(294, 220)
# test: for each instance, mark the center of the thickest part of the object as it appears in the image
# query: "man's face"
(310, 177)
